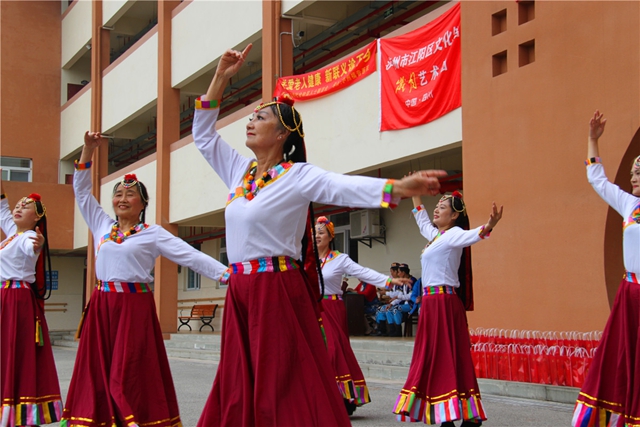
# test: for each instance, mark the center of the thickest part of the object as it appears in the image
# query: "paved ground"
(193, 380)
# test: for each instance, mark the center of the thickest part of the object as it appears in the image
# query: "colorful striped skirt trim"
(588, 415)
(632, 277)
(264, 265)
(124, 287)
(14, 284)
(451, 406)
(438, 290)
(333, 297)
(47, 411)
(355, 392)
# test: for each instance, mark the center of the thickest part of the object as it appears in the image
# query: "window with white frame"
(223, 258)
(342, 238)
(16, 169)
(193, 278)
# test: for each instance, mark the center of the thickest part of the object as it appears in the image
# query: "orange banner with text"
(329, 79)
(420, 73)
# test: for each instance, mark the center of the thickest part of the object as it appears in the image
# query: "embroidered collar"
(251, 186)
(330, 256)
(7, 241)
(634, 218)
(117, 236)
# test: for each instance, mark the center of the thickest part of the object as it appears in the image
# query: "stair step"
(66, 343)
(194, 354)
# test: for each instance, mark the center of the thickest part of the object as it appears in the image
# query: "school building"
(533, 72)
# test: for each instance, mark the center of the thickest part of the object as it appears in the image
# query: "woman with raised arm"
(121, 375)
(334, 318)
(29, 386)
(610, 395)
(274, 368)
(442, 386)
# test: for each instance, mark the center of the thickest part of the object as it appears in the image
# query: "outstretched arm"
(225, 161)
(596, 129)
(618, 199)
(228, 66)
(6, 219)
(91, 210)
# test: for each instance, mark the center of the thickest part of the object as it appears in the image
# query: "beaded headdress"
(131, 180)
(455, 195)
(394, 265)
(324, 222)
(636, 164)
(36, 199)
(284, 99)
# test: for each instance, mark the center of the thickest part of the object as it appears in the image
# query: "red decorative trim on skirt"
(130, 422)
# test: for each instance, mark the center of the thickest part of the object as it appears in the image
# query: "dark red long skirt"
(348, 373)
(610, 395)
(121, 376)
(274, 367)
(442, 384)
(30, 388)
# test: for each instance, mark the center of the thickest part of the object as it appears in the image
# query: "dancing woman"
(121, 375)
(334, 318)
(28, 379)
(274, 368)
(442, 386)
(610, 395)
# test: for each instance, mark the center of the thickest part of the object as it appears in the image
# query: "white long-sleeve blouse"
(134, 258)
(18, 257)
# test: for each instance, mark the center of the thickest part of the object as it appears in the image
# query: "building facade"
(532, 75)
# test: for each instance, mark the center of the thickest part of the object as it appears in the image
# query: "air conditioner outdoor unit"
(365, 223)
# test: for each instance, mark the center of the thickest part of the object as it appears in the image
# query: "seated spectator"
(389, 316)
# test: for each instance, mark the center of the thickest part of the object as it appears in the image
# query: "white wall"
(195, 188)
(341, 131)
(70, 288)
(80, 229)
(75, 120)
(132, 86)
(205, 29)
(146, 174)
(76, 33)
(112, 10)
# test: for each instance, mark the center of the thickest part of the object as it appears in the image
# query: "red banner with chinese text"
(420, 73)
(329, 79)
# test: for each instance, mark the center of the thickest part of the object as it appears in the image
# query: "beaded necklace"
(118, 236)
(251, 186)
(6, 242)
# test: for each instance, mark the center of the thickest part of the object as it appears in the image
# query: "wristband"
(592, 161)
(207, 105)
(82, 166)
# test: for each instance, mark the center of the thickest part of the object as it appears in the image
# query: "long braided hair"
(43, 264)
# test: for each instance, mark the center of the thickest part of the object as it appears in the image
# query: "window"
(223, 258)
(342, 239)
(193, 278)
(16, 169)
